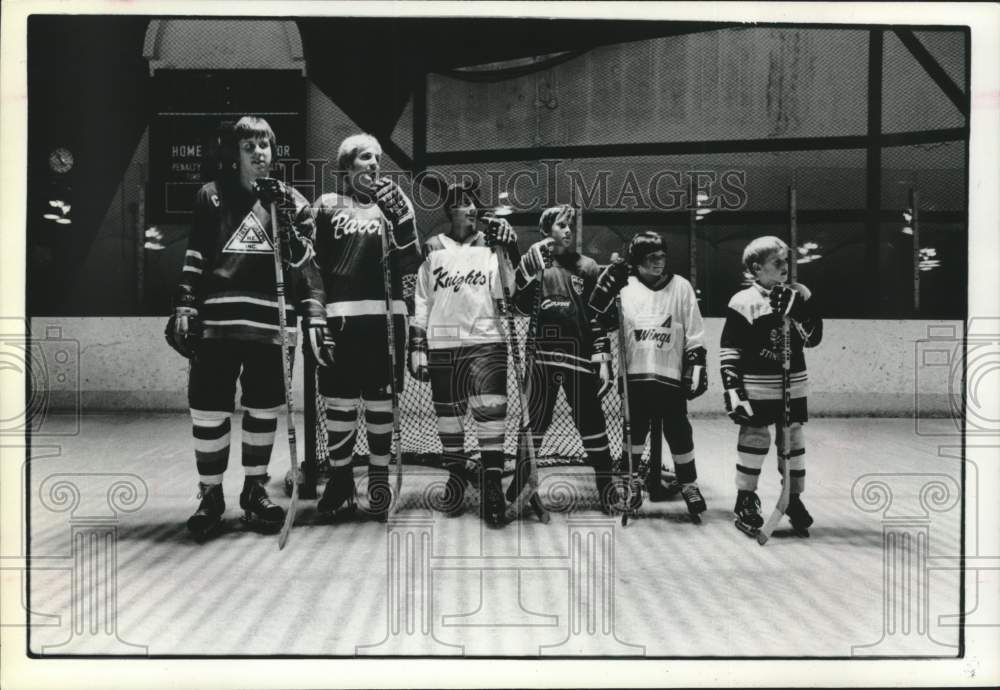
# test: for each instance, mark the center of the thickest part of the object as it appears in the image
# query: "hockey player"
(664, 337)
(750, 355)
(226, 317)
(570, 349)
(457, 344)
(349, 227)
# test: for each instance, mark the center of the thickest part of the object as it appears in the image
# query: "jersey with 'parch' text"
(349, 254)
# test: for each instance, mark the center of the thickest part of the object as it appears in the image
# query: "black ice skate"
(694, 500)
(207, 520)
(339, 492)
(747, 510)
(798, 515)
(258, 510)
(493, 504)
(453, 499)
(663, 487)
(608, 494)
(379, 493)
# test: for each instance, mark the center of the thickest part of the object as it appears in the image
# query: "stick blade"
(286, 527)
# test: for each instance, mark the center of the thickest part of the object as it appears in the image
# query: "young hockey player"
(751, 354)
(457, 342)
(226, 317)
(570, 350)
(665, 349)
(349, 231)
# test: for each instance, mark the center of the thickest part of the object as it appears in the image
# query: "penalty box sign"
(249, 238)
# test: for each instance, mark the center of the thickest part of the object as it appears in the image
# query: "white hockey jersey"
(455, 292)
(660, 326)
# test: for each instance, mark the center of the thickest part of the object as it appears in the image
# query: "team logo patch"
(577, 284)
(249, 238)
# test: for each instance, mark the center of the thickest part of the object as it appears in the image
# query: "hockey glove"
(537, 258)
(609, 284)
(695, 373)
(418, 355)
(390, 200)
(737, 406)
(499, 232)
(602, 359)
(273, 191)
(321, 345)
(183, 331)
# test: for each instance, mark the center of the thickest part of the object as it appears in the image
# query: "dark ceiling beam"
(934, 70)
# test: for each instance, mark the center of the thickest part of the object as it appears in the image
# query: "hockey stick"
(279, 279)
(626, 414)
(786, 385)
(390, 329)
(528, 492)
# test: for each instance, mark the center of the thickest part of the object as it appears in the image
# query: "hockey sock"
(378, 420)
(685, 468)
(751, 449)
(451, 433)
(341, 429)
(211, 444)
(796, 458)
(259, 426)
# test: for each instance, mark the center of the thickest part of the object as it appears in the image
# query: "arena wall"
(893, 368)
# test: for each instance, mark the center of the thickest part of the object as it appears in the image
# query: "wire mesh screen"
(561, 443)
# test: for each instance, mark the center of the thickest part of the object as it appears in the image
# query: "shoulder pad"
(750, 304)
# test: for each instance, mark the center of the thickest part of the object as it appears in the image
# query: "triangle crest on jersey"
(249, 238)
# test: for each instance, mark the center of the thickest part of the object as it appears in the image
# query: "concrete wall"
(862, 368)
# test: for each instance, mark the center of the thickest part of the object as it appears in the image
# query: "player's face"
(561, 233)
(653, 266)
(774, 270)
(463, 218)
(365, 168)
(255, 159)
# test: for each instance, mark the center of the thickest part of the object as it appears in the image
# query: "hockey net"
(421, 445)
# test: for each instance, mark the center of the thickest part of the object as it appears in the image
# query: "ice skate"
(339, 492)
(379, 493)
(493, 504)
(798, 515)
(747, 510)
(453, 500)
(662, 487)
(694, 500)
(207, 520)
(258, 510)
(608, 494)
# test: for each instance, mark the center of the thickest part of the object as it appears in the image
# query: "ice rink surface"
(114, 570)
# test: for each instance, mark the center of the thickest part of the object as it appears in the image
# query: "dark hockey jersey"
(752, 344)
(229, 268)
(349, 254)
(564, 334)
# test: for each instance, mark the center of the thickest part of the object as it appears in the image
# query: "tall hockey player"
(349, 229)
(457, 344)
(751, 352)
(571, 350)
(226, 318)
(666, 353)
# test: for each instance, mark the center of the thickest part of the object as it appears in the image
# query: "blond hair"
(758, 251)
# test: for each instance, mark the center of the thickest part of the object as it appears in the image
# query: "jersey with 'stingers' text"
(752, 344)
(229, 267)
(661, 324)
(457, 286)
